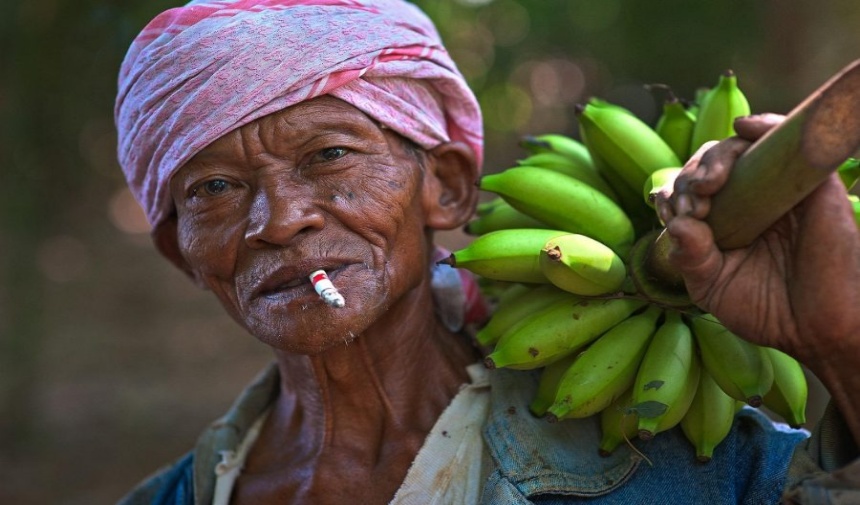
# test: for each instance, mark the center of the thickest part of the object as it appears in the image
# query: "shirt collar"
(539, 457)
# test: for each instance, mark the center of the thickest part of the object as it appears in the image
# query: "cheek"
(385, 210)
(210, 250)
(380, 205)
(402, 233)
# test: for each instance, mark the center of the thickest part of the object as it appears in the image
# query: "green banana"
(849, 172)
(630, 147)
(677, 411)
(855, 204)
(550, 377)
(649, 285)
(717, 113)
(501, 216)
(606, 369)
(675, 126)
(699, 98)
(513, 310)
(557, 331)
(605, 104)
(562, 164)
(553, 161)
(556, 143)
(582, 265)
(787, 397)
(709, 418)
(617, 423)
(564, 203)
(486, 207)
(659, 180)
(741, 368)
(663, 382)
(493, 290)
(642, 217)
(505, 255)
(509, 291)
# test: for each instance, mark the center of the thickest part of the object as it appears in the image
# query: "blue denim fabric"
(173, 485)
(540, 462)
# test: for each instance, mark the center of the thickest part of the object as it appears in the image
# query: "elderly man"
(268, 139)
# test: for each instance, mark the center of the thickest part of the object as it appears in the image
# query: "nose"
(281, 212)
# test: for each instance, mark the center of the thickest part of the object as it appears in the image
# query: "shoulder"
(171, 485)
(750, 466)
(175, 483)
(560, 461)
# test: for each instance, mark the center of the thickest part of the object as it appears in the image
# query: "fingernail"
(664, 213)
(683, 206)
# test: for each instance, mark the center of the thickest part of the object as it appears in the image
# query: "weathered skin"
(796, 288)
(321, 185)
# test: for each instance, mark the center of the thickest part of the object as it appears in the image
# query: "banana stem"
(784, 166)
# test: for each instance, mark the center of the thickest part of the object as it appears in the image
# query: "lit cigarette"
(326, 290)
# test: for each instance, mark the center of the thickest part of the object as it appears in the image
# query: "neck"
(390, 383)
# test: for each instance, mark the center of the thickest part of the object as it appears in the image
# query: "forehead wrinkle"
(323, 113)
(255, 149)
(273, 137)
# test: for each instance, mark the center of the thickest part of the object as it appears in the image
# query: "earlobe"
(450, 185)
(166, 240)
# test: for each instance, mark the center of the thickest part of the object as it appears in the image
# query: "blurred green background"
(111, 362)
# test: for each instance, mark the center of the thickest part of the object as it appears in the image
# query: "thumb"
(755, 126)
(694, 254)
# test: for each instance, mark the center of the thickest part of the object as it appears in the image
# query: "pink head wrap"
(200, 71)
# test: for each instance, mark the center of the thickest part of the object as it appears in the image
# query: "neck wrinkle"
(379, 381)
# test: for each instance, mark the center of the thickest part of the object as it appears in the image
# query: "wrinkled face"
(317, 185)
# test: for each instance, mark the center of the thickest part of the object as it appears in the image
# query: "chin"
(312, 331)
(317, 346)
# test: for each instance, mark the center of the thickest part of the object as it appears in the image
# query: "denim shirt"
(539, 462)
(534, 461)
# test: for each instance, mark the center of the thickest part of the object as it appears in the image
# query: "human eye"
(330, 154)
(212, 187)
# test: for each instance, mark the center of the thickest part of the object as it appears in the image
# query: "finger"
(663, 206)
(694, 253)
(677, 202)
(753, 127)
(718, 162)
(694, 187)
(692, 169)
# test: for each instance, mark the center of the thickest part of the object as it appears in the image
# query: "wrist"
(837, 370)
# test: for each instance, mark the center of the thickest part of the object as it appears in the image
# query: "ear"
(166, 240)
(450, 190)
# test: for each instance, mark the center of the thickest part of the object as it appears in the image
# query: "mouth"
(292, 282)
(282, 288)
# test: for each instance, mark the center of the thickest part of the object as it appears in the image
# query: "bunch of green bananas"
(569, 232)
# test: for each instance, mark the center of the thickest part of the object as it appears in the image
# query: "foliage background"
(111, 362)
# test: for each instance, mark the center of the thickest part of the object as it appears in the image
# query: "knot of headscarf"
(202, 70)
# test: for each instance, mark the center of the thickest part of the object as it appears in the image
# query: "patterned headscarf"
(198, 72)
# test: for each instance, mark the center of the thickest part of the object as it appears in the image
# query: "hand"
(797, 287)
